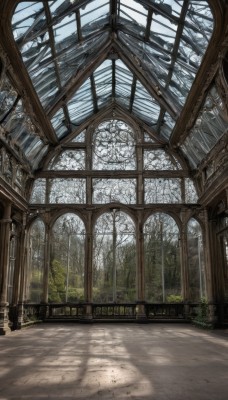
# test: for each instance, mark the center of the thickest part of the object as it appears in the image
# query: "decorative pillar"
(140, 271)
(184, 262)
(88, 284)
(210, 241)
(4, 268)
(19, 283)
(44, 300)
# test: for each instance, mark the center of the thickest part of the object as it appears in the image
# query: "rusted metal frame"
(150, 86)
(133, 88)
(79, 29)
(94, 94)
(148, 24)
(77, 80)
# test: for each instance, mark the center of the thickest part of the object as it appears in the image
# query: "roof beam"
(148, 24)
(78, 79)
(93, 87)
(152, 88)
(79, 29)
(133, 88)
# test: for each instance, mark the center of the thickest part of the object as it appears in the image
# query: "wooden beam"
(94, 94)
(133, 87)
(77, 80)
(148, 24)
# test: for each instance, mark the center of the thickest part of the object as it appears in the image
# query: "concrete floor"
(114, 361)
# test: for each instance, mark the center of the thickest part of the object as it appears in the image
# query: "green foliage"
(57, 277)
(75, 294)
(174, 298)
(201, 318)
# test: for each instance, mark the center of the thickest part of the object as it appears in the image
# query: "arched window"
(36, 265)
(162, 261)
(114, 146)
(195, 261)
(114, 258)
(66, 272)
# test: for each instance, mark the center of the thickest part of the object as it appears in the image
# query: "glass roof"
(83, 55)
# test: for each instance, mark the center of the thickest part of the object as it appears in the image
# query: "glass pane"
(68, 160)
(114, 146)
(195, 261)
(162, 260)
(159, 160)
(208, 129)
(190, 191)
(80, 137)
(162, 190)
(66, 273)
(114, 258)
(144, 106)
(133, 11)
(59, 123)
(38, 191)
(114, 190)
(36, 261)
(93, 13)
(67, 191)
(81, 106)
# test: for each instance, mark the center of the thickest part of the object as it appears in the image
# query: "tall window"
(122, 166)
(114, 260)
(66, 271)
(162, 261)
(36, 242)
(195, 261)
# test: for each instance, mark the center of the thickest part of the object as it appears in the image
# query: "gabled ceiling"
(83, 56)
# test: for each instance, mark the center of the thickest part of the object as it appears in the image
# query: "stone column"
(4, 268)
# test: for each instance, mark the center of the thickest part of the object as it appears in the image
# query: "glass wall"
(36, 261)
(114, 259)
(66, 271)
(195, 261)
(162, 259)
